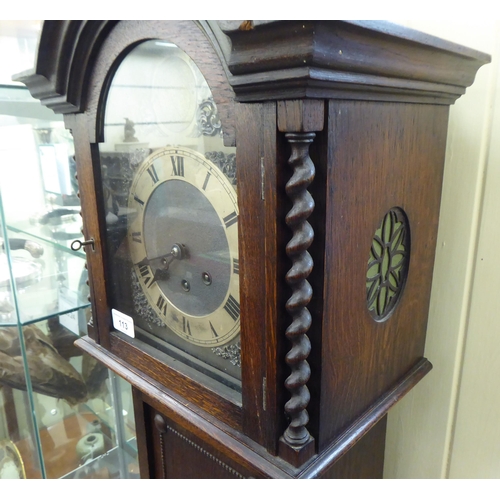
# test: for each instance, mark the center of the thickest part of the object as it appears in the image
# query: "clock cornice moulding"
(63, 63)
(369, 60)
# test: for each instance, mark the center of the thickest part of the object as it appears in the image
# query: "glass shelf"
(49, 281)
(59, 236)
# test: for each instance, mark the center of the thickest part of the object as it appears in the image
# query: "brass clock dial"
(183, 242)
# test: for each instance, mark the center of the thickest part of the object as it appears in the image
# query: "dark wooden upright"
(340, 130)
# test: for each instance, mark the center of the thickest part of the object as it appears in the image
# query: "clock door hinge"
(264, 393)
(262, 183)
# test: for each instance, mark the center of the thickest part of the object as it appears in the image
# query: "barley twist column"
(299, 120)
(303, 173)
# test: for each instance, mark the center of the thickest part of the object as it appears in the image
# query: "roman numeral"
(162, 305)
(138, 200)
(145, 273)
(137, 237)
(236, 266)
(177, 165)
(153, 174)
(232, 307)
(207, 178)
(230, 219)
(213, 329)
(185, 325)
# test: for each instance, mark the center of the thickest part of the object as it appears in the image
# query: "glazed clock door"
(171, 210)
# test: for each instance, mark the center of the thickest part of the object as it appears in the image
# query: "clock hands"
(178, 252)
(159, 275)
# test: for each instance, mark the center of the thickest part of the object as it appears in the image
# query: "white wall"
(447, 427)
(18, 41)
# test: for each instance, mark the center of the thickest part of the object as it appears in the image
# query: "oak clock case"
(261, 205)
(171, 205)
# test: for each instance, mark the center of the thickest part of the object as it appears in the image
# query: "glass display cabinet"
(62, 414)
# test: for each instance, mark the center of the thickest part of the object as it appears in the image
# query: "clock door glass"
(169, 189)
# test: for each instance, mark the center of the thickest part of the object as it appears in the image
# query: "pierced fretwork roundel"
(388, 264)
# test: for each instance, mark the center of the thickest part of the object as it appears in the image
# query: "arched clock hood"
(280, 59)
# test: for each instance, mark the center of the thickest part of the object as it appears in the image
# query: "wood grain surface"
(399, 165)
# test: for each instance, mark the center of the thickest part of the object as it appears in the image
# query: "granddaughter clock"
(260, 205)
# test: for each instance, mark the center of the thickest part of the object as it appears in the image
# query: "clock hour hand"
(160, 275)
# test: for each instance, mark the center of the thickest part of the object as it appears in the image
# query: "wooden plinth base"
(296, 455)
